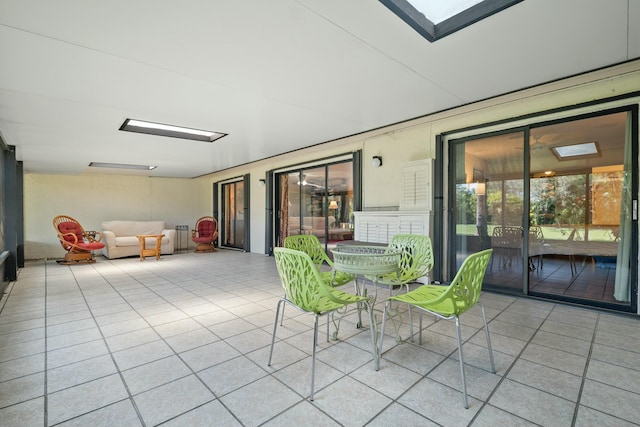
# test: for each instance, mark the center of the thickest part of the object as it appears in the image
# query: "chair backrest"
(416, 255)
(300, 278)
(64, 225)
(464, 290)
(310, 245)
(206, 226)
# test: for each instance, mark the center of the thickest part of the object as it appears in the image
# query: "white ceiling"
(275, 75)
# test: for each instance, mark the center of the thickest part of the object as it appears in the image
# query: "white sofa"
(120, 238)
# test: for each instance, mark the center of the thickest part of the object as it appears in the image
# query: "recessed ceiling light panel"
(141, 126)
(121, 166)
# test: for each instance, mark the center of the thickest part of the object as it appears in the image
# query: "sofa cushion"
(133, 228)
(128, 241)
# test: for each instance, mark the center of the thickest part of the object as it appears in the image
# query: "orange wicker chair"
(205, 233)
(78, 243)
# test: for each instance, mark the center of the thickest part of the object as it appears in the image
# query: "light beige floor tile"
(21, 389)
(548, 410)
(72, 402)
(121, 413)
(212, 413)
(274, 399)
(553, 358)
(209, 355)
(21, 367)
(490, 416)
(141, 354)
(302, 414)
(350, 402)
(154, 374)
(398, 415)
(231, 375)
(79, 372)
(590, 417)
(172, 399)
(190, 340)
(547, 379)
(26, 414)
(439, 403)
(611, 400)
(617, 376)
(562, 342)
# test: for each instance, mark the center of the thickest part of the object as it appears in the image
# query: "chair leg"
(420, 329)
(282, 319)
(410, 324)
(464, 381)
(313, 356)
(382, 326)
(372, 327)
(486, 330)
(275, 327)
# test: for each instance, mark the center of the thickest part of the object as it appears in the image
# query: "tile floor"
(184, 341)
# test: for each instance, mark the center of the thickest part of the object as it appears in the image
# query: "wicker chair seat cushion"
(68, 227)
(205, 230)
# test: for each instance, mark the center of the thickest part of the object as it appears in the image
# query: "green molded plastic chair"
(310, 245)
(416, 260)
(449, 302)
(305, 290)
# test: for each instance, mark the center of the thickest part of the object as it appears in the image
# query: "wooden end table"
(144, 252)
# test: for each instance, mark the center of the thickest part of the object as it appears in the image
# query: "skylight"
(576, 151)
(437, 11)
(435, 19)
(151, 128)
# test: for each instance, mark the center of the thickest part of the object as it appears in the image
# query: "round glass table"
(364, 261)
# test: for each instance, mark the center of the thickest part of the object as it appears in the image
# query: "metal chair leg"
(275, 327)
(464, 381)
(313, 357)
(486, 330)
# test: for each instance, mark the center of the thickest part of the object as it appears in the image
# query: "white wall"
(92, 199)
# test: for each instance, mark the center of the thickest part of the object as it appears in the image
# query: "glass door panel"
(317, 201)
(580, 209)
(489, 205)
(232, 232)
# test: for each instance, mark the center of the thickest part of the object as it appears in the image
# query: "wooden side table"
(144, 252)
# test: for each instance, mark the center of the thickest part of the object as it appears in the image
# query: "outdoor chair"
(416, 260)
(449, 302)
(205, 234)
(310, 245)
(305, 290)
(78, 244)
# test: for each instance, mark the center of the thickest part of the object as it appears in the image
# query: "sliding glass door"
(555, 202)
(316, 200)
(233, 213)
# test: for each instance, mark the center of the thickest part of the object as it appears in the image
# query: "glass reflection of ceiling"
(434, 19)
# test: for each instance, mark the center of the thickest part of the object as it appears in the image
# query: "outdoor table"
(364, 261)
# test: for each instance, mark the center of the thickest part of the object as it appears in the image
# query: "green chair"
(310, 245)
(416, 260)
(305, 290)
(449, 302)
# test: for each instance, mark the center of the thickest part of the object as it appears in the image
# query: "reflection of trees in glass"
(571, 199)
(505, 208)
(466, 205)
(559, 200)
(607, 195)
(543, 201)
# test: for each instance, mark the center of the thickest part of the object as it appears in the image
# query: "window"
(435, 19)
